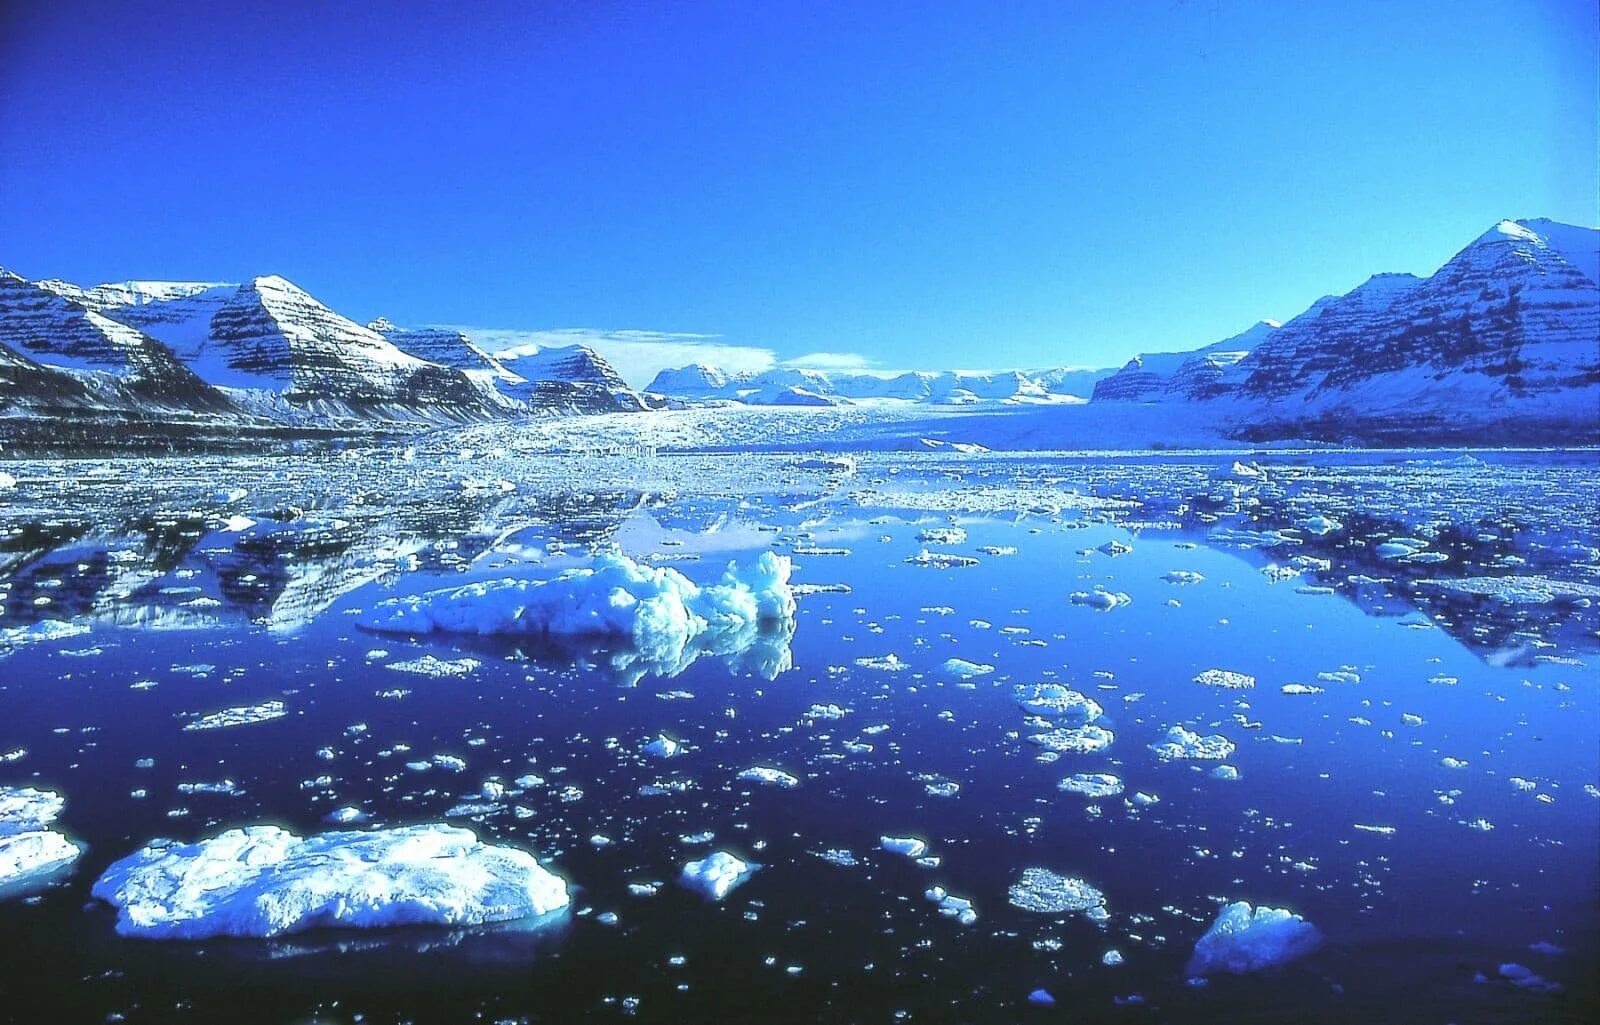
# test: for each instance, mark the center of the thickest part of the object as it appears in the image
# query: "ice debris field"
(903, 736)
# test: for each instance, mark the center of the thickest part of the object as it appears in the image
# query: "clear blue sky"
(945, 185)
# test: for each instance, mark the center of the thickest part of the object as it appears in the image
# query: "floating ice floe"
(1226, 678)
(1100, 599)
(1521, 590)
(1245, 939)
(1093, 785)
(943, 536)
(1074, 739)
(715, 876)
(966, 670)
(951, 906)
(770, 776)
(662, 747)
(660, 609)
(1182, 576)
(1178, 743)
(1058, 701)
(266, 881)
(243, 715)
(1300, 688)
(30, 852)
(1045, 892)
(907, 846)
(438, 668)
(940, 560)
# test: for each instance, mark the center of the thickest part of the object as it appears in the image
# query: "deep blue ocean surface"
(1426, 797)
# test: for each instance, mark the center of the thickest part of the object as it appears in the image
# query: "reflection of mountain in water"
(282, 569)
(1393, 544)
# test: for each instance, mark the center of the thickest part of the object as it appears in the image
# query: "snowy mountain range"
(792, 387)
(1502, 343)
(263, 351)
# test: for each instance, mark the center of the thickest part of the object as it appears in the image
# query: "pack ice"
(266, 881)
(660, 609)
(1246, 939)
(29, 850)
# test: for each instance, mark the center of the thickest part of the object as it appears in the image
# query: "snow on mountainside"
(1155, 375)
(108, 357)
(790, 386)
(572, 376)
(1501, 342)
(453, 349)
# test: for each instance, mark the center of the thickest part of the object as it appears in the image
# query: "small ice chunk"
(715, 876)
(1245, 939)
(266, 881)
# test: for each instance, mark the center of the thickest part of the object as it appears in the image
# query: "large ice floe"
(1045, 892)
(659, 609)
(31, 853)
(266, 881)
(1246, 939)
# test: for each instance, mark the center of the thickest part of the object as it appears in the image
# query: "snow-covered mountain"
(572, 375)
(790, 386)
(264, 350)
(1501, 343)
(45, 336)
(1194, 374)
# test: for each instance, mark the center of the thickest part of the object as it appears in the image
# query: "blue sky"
(935, 186)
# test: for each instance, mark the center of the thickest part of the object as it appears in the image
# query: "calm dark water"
(184, 613)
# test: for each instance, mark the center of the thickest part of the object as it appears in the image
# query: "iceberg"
(660, 609)
(263, 881)
(1245, 939)
(907, 846)
(30, 852)
(715, 876)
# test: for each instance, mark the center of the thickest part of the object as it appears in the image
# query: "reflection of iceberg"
(659, 609)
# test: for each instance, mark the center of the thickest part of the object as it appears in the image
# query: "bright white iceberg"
(1246, 939)
(660, 609)
(715, 876)
(266, 881)
(30, 852)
